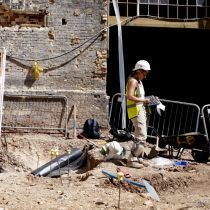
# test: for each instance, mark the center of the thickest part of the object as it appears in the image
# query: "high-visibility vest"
(133, 108)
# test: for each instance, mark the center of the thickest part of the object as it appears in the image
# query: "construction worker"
(136, 103)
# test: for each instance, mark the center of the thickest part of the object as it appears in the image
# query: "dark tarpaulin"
(74, 165)
(59, 162)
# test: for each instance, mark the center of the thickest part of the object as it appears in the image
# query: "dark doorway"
(179, 62)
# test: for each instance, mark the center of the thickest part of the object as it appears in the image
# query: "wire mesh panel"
(39, 112)
(164, 9)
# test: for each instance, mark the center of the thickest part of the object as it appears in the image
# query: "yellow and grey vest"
(134, 108)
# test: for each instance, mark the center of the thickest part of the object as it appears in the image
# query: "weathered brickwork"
(68, 41)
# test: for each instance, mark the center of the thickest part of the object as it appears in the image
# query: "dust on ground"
(179, 188)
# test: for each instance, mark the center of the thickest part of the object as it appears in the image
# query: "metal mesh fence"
(35, 112)
(164, 9)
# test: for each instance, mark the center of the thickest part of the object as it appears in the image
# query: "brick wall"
(64, 37)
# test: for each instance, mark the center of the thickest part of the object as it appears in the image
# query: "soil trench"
(178, 188)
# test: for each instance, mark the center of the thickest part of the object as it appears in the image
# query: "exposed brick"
(69, 70)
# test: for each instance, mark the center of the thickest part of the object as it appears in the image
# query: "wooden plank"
(75, 122)
(2, 79)
(151, 22)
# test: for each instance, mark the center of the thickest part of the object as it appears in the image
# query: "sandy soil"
(179, 188)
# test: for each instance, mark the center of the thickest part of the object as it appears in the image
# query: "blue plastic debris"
(181, 163)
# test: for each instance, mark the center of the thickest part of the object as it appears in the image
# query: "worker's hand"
(146, 101)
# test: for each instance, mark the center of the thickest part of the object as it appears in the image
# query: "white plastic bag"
(160, 162)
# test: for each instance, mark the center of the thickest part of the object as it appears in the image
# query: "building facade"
(57, 48)
(62, 47)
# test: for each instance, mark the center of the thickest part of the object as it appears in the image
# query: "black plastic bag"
(121, 135)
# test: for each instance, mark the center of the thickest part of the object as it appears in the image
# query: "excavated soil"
(179, 188)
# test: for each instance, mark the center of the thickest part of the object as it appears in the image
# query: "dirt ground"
(179, 188)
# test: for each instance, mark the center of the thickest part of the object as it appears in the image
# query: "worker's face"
(141, 74)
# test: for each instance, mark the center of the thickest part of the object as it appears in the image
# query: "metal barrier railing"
(115, 112)
(178, 117)
(37, 112)
(205, 116)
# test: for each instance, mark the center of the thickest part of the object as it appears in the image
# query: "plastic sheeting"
(71, 166)
(121, 63)
(59, 162)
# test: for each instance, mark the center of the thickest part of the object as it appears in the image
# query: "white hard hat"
(142, 64)
(112, 148)
(115, 148)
